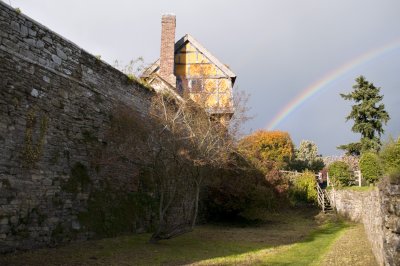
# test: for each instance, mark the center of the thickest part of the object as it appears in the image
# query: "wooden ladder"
(324, 200)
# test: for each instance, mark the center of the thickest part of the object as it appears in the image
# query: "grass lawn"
(354, 188)
(290, 238)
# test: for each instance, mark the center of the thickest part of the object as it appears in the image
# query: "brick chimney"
(167, 56)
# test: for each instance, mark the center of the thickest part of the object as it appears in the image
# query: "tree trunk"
(197, 181)
(196, 204)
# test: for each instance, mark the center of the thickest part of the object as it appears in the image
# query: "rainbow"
(318, 85)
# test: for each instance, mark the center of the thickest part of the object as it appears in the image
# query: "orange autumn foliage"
(269, 149)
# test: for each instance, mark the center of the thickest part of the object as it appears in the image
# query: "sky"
(279, 50)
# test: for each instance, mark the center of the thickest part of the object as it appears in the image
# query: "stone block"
(34, 92)
(4, 221)
(43, 62)
(30, 41)
(14, 220)
(76, 225)
(12, 45)
(47, 39)
(36, 177)
(46, 79)
(4, 228)
(15, 26)
(67, 72)
(47, 182)
(57, 60)
(40, 44)
(50, 192)
(32, 33)
(61, 54)
(24, 31)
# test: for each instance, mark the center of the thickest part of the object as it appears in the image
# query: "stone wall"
(379, 211)
(55, 99)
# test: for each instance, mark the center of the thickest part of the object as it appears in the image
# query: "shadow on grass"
(304, 252)
(292, 237)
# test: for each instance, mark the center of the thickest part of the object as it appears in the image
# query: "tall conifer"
(368, 114)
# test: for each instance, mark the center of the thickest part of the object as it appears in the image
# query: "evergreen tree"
(368, 114)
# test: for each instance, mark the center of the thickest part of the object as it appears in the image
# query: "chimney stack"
(167, 56)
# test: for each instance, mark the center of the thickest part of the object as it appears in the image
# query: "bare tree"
(168, 148)
(178, 142)
(207, 142)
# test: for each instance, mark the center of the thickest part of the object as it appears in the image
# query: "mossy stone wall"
(55, 106)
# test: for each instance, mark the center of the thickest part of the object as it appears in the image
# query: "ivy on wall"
(32, 151)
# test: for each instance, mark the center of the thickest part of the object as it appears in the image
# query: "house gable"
(189, 51)
(199, 74)
(196, 54)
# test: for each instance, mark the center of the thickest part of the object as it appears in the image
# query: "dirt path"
(351, 248)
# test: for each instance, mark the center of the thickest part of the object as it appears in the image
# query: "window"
(196, 85)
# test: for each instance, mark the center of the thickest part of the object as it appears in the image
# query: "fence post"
(327, 179)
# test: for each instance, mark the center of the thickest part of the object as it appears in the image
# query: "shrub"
(264, 147)
(390, 155)
(390, 159)
(339, 173)
(303, 189)
(278, 181)
(370, 167)
(238, 193)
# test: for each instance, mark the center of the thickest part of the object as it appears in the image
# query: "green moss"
(55, 158)
(113, 212)
(41, 218)
(57, 233)
(79, 179)
(98, 98)
(89, 137)
(32, 214)
(5, 183)
(23, 233)
(98, 59)
(66, 154)
(10, 198)
(133, 79)
(16, 101)
(57, 201)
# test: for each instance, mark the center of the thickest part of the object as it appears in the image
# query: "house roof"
(188, 38)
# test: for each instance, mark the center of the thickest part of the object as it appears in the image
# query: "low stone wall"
(379, 211)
